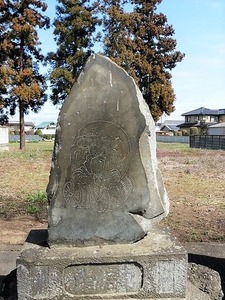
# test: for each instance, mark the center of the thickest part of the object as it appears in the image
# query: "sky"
(199, 80)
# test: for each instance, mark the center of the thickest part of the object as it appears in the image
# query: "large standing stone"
(105, 186)
(105, 193)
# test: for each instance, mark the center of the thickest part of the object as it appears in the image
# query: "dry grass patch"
(194, 179)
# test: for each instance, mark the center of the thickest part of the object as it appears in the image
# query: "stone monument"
(106, 197)
(104, 186)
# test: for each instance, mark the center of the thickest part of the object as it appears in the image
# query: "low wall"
(4, 138)
(172, 139)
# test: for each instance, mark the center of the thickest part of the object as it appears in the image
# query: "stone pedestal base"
(155, 267)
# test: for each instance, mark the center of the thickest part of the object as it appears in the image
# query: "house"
(202, 117)
(14, 127)
(168, 127)
(48, 127)
(157, 127)
(217, 129)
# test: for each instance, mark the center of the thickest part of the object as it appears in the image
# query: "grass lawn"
(24, 177)
(194, 179)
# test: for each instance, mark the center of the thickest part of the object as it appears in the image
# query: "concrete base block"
(155, 267)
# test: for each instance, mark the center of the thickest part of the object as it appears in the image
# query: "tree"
(75, 27)
(141, 42)
(21, 84)
(117, 43)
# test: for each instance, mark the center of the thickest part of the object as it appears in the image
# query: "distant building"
(14, 127)
(157, 127)
(202, 116)
(170, 126)
(217, 129)
(47, 127)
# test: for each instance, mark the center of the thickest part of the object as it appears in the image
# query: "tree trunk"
(22, 130)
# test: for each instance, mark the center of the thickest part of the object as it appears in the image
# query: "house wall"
(207, 119)
(216, 131)
(29, 129)
(48, 131)
(15, 128)
(190, 119)
(4, 138)
(222, 118)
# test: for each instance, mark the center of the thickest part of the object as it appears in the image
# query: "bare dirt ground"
(194, 179)
(14, 231)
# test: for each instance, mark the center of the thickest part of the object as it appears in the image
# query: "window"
(214, 119)
(188, 119)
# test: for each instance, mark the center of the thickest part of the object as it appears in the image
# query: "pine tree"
(75, 27)
(141, 42)
(118, 45)
(21, 84)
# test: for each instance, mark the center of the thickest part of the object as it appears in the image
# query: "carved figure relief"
(99, 159)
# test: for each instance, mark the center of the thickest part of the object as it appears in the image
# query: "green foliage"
(177, 133)
(203, 128)
(38, 132)
(141, 42)
(193, 131)
(37, 202)
(184, 132)
(48, 136)
(75, 25)
(21, 84)
(37, 197)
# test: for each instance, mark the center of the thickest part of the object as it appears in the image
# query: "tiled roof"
(170, 127)
(44, 125)
(18, 123)
(188, 124)
(204, 111)
(222, 124)
(172, 122)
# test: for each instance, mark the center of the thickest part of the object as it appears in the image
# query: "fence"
(172, 139)
(28, 138)
(207, 141)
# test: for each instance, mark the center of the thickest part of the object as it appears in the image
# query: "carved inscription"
(170, 277)
(99, 159)
(103, 279)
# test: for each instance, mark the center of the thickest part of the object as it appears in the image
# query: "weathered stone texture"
(156, 266)
(105, 185)
(106, 197)
(206, 279)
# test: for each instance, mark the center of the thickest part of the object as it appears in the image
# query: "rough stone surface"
(206, 279)
(105, 186)
(154, 267)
